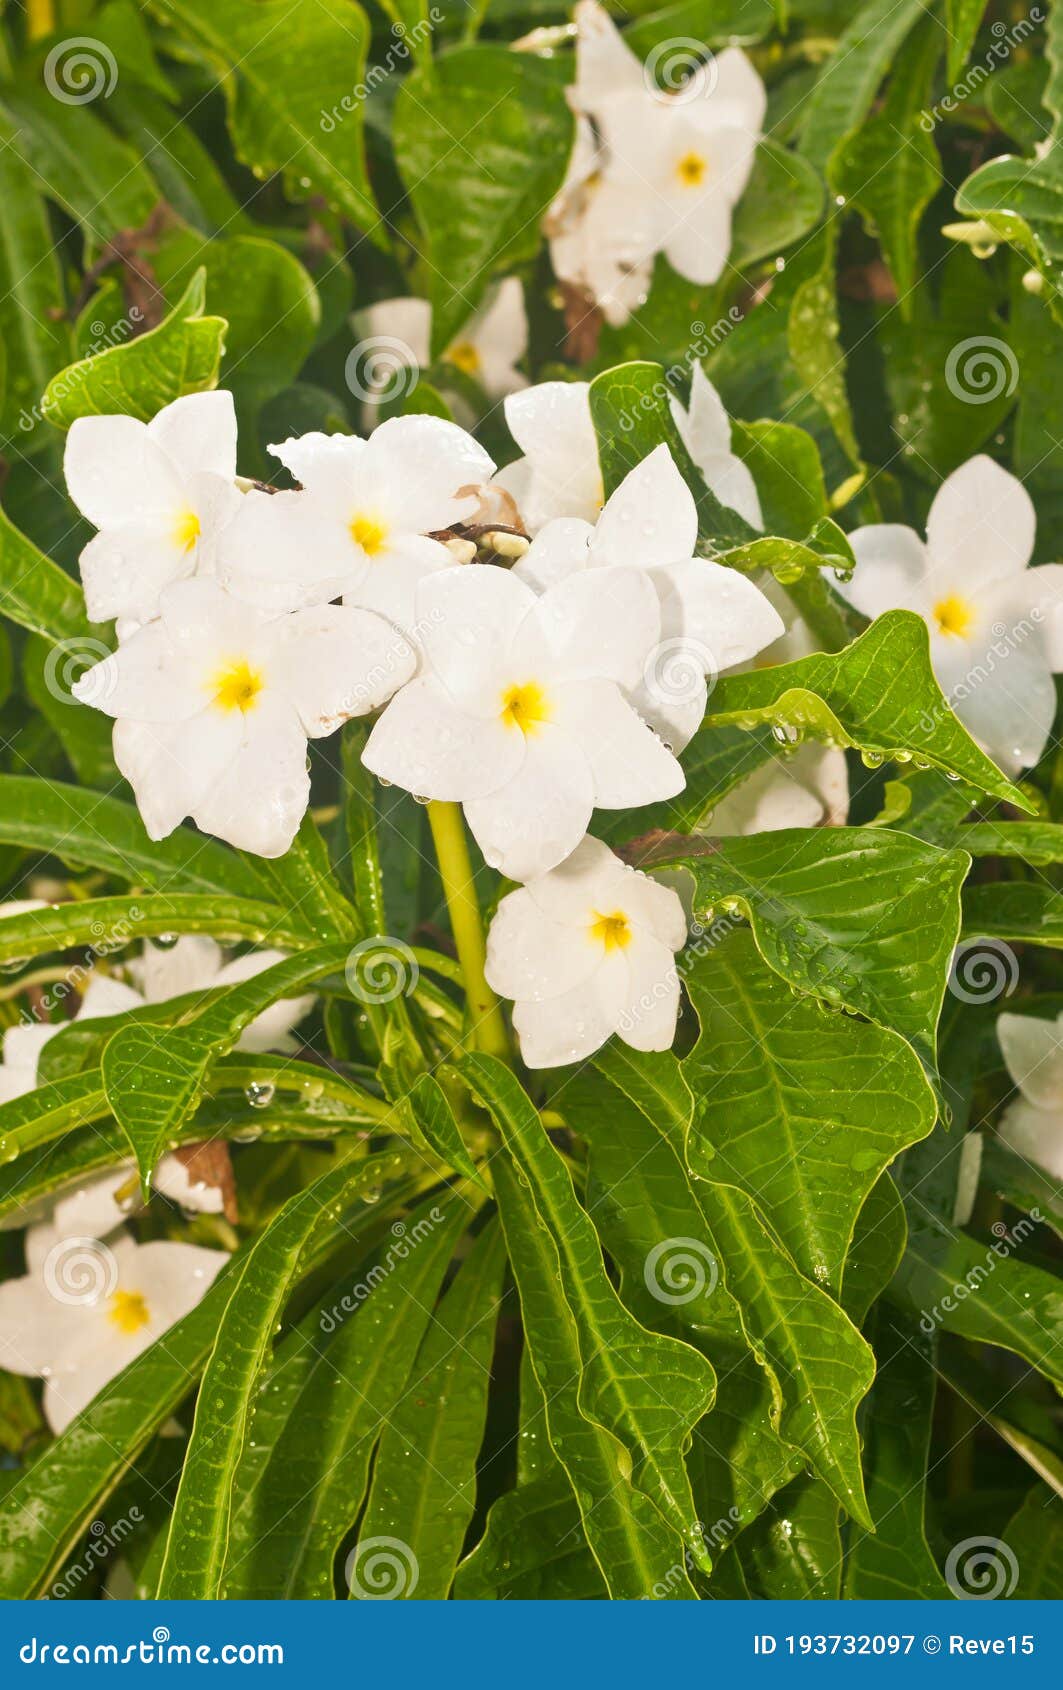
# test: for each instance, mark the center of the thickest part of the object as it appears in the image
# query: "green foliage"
(775, 1312)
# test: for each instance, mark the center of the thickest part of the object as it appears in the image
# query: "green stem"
(452, 853)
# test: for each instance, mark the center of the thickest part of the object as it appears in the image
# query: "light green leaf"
(962, 18)
(35, 336)
(40, 596)
(849, 80)
(292, 83)
(782, 202)
(117, 921)
(878, 695)
(1035, 1536)
(865, 920)
(482, 143)
(183, 355)
(1018, 910)
(794, 1551)
(533, 1549)
(195, 1549)
(801, 1108)
(814, 342)
(78, 162)
(620, 1417)
(890, 171)
(424, 1476)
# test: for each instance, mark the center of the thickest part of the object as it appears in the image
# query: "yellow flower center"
(525, 707)
(128, 1311)
(954, 615)
(464, 356)
(369, 533)
(186, 530)
(611, 931)
(691, 170)
(236, 686)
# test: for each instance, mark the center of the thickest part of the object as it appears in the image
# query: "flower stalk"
(452, 854)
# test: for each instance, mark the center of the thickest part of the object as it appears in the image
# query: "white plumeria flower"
(996, 627)
(808, 788)
(85, 1309)
(559, 474)
(705, 430)
(687, 157)
(160, 493)
(586, 951)
(711, 617)
(360, 527)
(488, 349)
(601, 238)
(216, 700)
(1032, 1125)
(519, 713)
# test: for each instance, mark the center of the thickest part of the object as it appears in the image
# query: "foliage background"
(242, 176)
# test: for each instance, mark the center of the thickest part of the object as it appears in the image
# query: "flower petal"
(170, 765)
(539, 816)
(390, 585)
(284, 551)
(597, 623)
(570, 1028)
(551, 424)
(980, 528)
(1033, 1052)
(198, 433)
(332, 663)
(429, 745)
(890, 571)
(650, 519)
(529, 957)
(142, 680)
(124, 571)
(414, 467)
(260, 798)
(468, 619)
(650, 1014)
(559, 549)
(628, 762)
(117, 474)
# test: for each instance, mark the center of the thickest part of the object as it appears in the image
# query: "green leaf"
(482, 143)
(294, 90)
(40, 596)
(1016, 911)
(35, 336)
(195, 1548)
(89, 830)
(890, 171)
(154, 1079)
(962, 18)
(424, 1476)
(304, 884)
(782, 202)
(878, 695)
(894, 1561)
(533, 1548)
(183, 355)
(794, 1551)
(863, 919)
(849, 80)
(801, 1108)
(819, 1365)
(631, 414)
(985, 1292)
(877, 1247)
(78, 162)
(436, 1120)
(1035, 1536)
(621, 1415)
(1022, 202)
(814, 342)
(112, 922)
(311, 1490)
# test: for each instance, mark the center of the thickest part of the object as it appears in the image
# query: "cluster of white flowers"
(654, 168)
(92, 1297)
(531, 695)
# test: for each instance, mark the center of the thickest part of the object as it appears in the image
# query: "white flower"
(196, 964)
(489, 347)
(160, 494)
(360, 526)
(587, 951)
(215, 702)
(22, 1046)
(519, 713)
(711, 617)
(808, 788)
(601, 236)
(559, 474)
(996, 627)
(1032, 1124)
(85, 1309)
(687, 158)
(705, 430)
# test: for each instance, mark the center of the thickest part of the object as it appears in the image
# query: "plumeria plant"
(531, 799)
